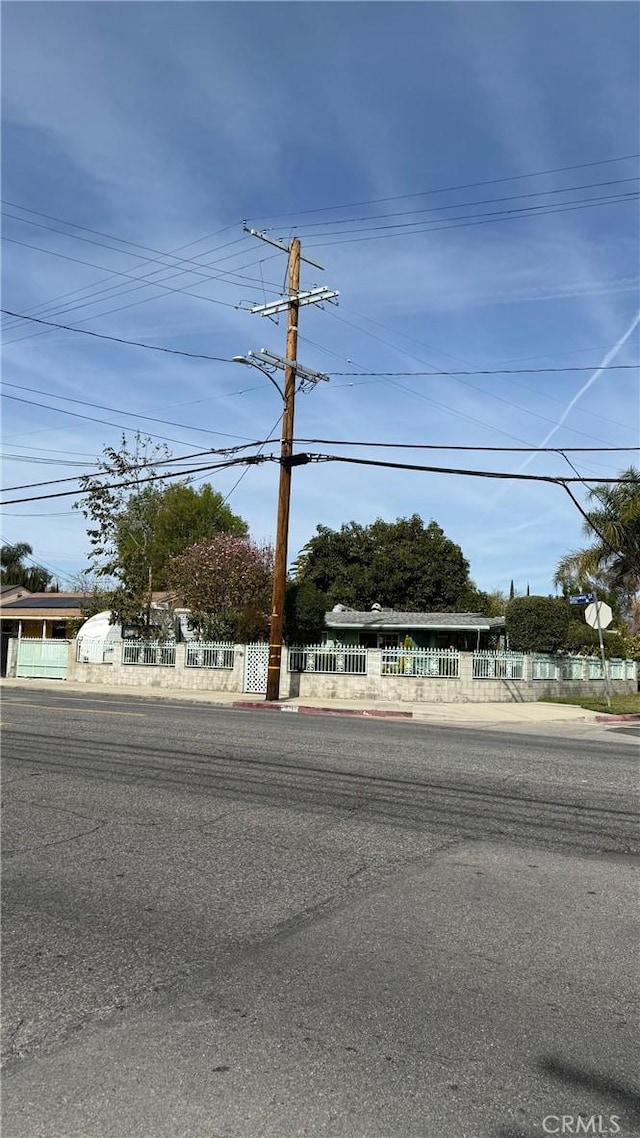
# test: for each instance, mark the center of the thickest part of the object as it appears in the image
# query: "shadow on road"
(469, 807)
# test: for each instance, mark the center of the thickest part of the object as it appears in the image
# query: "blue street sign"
(582, 599)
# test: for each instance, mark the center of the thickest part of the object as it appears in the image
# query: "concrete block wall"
(410, 689)
(158, 676)
(338, 686)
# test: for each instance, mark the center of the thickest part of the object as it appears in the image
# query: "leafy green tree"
(537, 624)
(582, 640)
(403, 565)
(304, 612)
(612, 561)
(497, 602)
(140, 523)
(226, 583)
(14, 571)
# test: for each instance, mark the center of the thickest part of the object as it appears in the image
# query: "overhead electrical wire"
(454, 375)
(468, 205)
(453, 189)
(148, 478)
(120, 426)
(261, 443)
(41, 564)
(499, 474)
(119, 291)
(463, 221)
(421, 344)
(116, 272)
(460, 446)
(117, 339)
(337, 374)
(489, 371)
(53, 307)
(185, 264)
(301, 459)
(154, 462)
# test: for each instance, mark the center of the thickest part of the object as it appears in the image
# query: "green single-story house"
(386, 628)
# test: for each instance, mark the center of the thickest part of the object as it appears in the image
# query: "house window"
(368, 639)
(388, 639)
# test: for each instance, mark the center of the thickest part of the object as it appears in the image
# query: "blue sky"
(163, 126)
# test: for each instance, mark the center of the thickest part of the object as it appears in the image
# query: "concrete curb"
(301, 709)
(622, 718)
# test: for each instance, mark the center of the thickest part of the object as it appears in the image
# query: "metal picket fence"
(545, 667)
(91, 651)
(204, 654)
(348, 660)
(498, 665)
(440, 663)
(149, 653)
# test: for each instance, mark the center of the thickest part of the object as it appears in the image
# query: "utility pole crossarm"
(313, 296)
(279, 244)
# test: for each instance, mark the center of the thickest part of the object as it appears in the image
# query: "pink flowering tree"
(226, 583)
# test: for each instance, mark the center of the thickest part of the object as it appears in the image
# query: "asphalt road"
(228, 924)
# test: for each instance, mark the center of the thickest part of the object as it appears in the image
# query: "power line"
(120, 426)
(558, 480)
(482, 219)
(118, 289)
(40, 564)
(452, 189)
(301, 459)
(197, 265)
(22, 458)
(447, 446)
(115, 272)
(381, 374)
(155, 462)
(420, 395)
(468, 205)
(248, 459)
(491, 371)
(514, 383)
(118, 339)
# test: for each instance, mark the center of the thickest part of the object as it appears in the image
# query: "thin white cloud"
(607, 359)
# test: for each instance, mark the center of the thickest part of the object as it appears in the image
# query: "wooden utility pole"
(284, 485)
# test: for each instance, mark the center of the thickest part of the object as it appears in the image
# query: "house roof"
(52, 606)
(379, 621)
(44, 606)
(12, 592)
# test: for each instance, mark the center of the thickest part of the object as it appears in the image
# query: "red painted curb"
(245, 705)
(372, 714)
(618, 718)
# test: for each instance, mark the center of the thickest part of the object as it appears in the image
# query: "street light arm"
(250, 362)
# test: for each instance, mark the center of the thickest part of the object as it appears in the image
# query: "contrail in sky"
(592, 379)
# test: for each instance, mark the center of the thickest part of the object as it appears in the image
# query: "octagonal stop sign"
(598, 609)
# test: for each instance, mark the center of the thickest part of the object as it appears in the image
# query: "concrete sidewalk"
(469, 714)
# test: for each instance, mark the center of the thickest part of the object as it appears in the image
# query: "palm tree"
(13, 570)
(612, 561)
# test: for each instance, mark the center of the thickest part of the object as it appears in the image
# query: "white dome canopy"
(97, 627)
